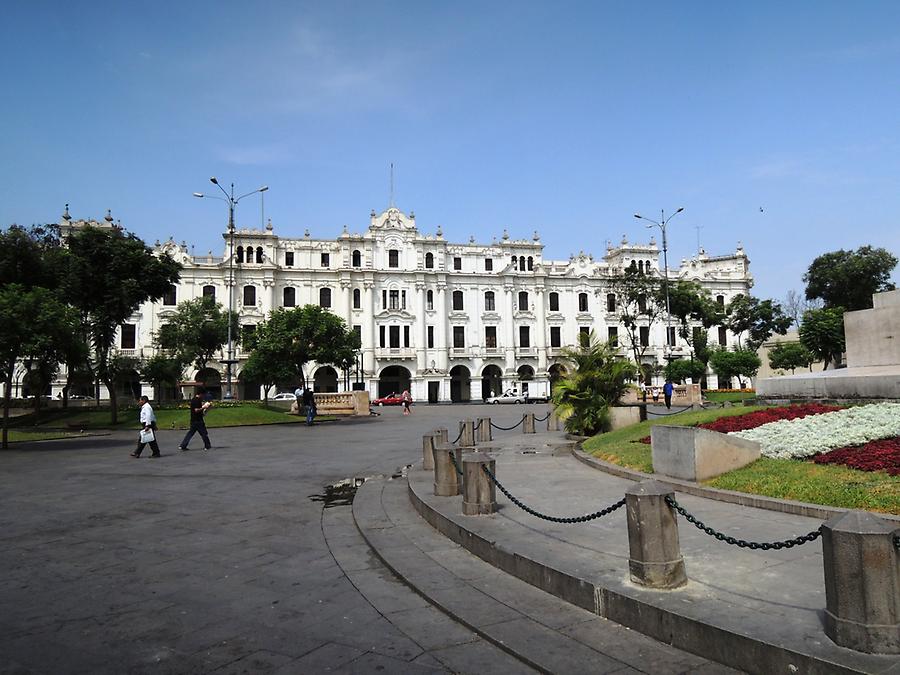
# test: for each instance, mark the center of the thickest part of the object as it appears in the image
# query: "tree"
(848, 279)
(197, 330)
(681, 369)
(758, 318)
(740, 363)
(268, 367)
(34, 326)
(160, 370)
(796, 304)
(291, 338)
(598, 379)
(30, 256)
(638, 300)
(131, 275)
(789, 356)
(822, 333)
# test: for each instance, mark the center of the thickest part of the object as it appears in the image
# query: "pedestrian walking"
(407, 401)
(668, 388)
(148, 429)
(298, 396)
(199, 406)
(655, 393)
(309, 402)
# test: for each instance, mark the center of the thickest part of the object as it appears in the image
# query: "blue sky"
(773, 124)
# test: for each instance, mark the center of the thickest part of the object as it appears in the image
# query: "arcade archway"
(491, 381)
(460, 384)
(325, 380)
(393, 380)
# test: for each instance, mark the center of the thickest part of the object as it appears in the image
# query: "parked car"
(284, 396)
(539, 398)
(81, 397)
(390, 399)
(506, 397)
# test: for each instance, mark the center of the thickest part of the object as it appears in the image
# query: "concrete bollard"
(479, 493)
(446, 480)
(862, 583)
(528, 423)
(428, 441)
(442, 435)
(553, 421)
(484, 430)
(654, 558)
(467, 432)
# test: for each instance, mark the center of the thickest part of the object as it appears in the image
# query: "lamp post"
(663, 221)
(232, 202)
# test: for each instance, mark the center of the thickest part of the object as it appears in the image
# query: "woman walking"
(407, 401)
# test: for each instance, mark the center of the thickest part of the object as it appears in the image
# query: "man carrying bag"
(148, 430)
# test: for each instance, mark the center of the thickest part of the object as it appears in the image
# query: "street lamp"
(232, 202)
(663, 221)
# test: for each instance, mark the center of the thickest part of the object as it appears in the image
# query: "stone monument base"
(841, 383)
(696, 454)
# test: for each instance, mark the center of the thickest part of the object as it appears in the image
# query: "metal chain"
(765, 546)
(666, 414)
(497, 426)
(478, 424)
(458, 436)
(453, 459)
(542, 419)
(553, 519)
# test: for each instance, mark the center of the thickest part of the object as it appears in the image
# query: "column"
(510, 329)
(421, 344)
(541, 337)
(369, 338)
(440, 329)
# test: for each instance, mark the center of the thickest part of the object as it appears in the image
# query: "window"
(289, 259)
(457, 263)
(429, 300)
(554, 302)
(521, 263)
(582, 302)
(259, 254)
(356, 259)
(402, 299)
(488, 264)
(357, 299)
(209, 292)
(524, 336)
(129, 336)
(612, 335)
(459, 336)
(530, 263)
(406, 336)
(670, 335)
(523, 301)
(383, 299)
(642, 303)
(393, 299)
(720, 300)
(247, 332)
(324, 297)
(357, 330)
(239, 253)
(430, 337)
(393, 258)
(171, 296)
(381, 336)
(489, 301)
(326, 260)
(645, 336)
(249, 296)
(610, 302)
(457, 301)
(290, 297)
(723, 336)
(429, 261)
(394, 332)
(490, 336)
(584, 334)
(555, 338)
(515, 263)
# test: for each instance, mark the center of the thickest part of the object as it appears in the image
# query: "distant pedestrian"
(148, 429)
(309, 402)
(298, 396)
(407, 401)
(655, 394)
(198, 424)
(668, 388)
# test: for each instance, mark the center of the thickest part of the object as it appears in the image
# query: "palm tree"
(598, 379)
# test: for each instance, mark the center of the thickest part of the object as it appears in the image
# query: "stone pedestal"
(553, 421)
(528, 423)
(441, 435)
(654, 550)
(428, 452)
(467, 432)
(479, 492)
(862, 582)
(483, 434)
(446, 480)
(696, 454)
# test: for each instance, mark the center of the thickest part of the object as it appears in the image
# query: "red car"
(390, 399)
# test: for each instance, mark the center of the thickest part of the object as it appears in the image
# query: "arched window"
(393, 258)
(249, 296)
(429, 261)
(515, 263)
(521, 263)
(357, 301)
(554, 302)
(260, 256)
(240, 254)
(633, 266)
(530, 263)
(290, 297)
(209, 292)
(429, 299)
(610, 302)
(249, 254)
(582, 302)
(357, 259)
(489, 301)
(720, 300)
(324, 297)
(457, 301)
(523, 301)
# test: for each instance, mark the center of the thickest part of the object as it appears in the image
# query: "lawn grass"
(830, 485)
(17, 435)
(728, 396)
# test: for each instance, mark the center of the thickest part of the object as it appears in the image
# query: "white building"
(450, 322)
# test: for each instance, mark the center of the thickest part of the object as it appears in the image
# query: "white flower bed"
(799, 438)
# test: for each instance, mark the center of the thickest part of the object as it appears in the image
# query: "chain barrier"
(666, 414)
(765, 546)
(478, 424)
(458, 436)
(553, 519)
(497, 426)
(453, 459)
(542, 419)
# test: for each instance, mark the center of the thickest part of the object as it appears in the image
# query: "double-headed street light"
(663, 221)
(232, 202)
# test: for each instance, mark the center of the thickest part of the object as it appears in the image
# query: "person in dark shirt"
(198, 425)
(668, 388)
(309, 402)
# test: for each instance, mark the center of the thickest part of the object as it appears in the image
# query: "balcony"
(526, 352)
(493, 351)
(460, 352)
(395, 353)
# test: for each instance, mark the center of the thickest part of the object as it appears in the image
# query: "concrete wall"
(873, 335)
(624, 416)
(695, 454)
(867, 382)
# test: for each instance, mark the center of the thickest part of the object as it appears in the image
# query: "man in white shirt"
(148, 425)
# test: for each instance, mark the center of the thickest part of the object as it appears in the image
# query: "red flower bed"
(759, 417)
(883, 455)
